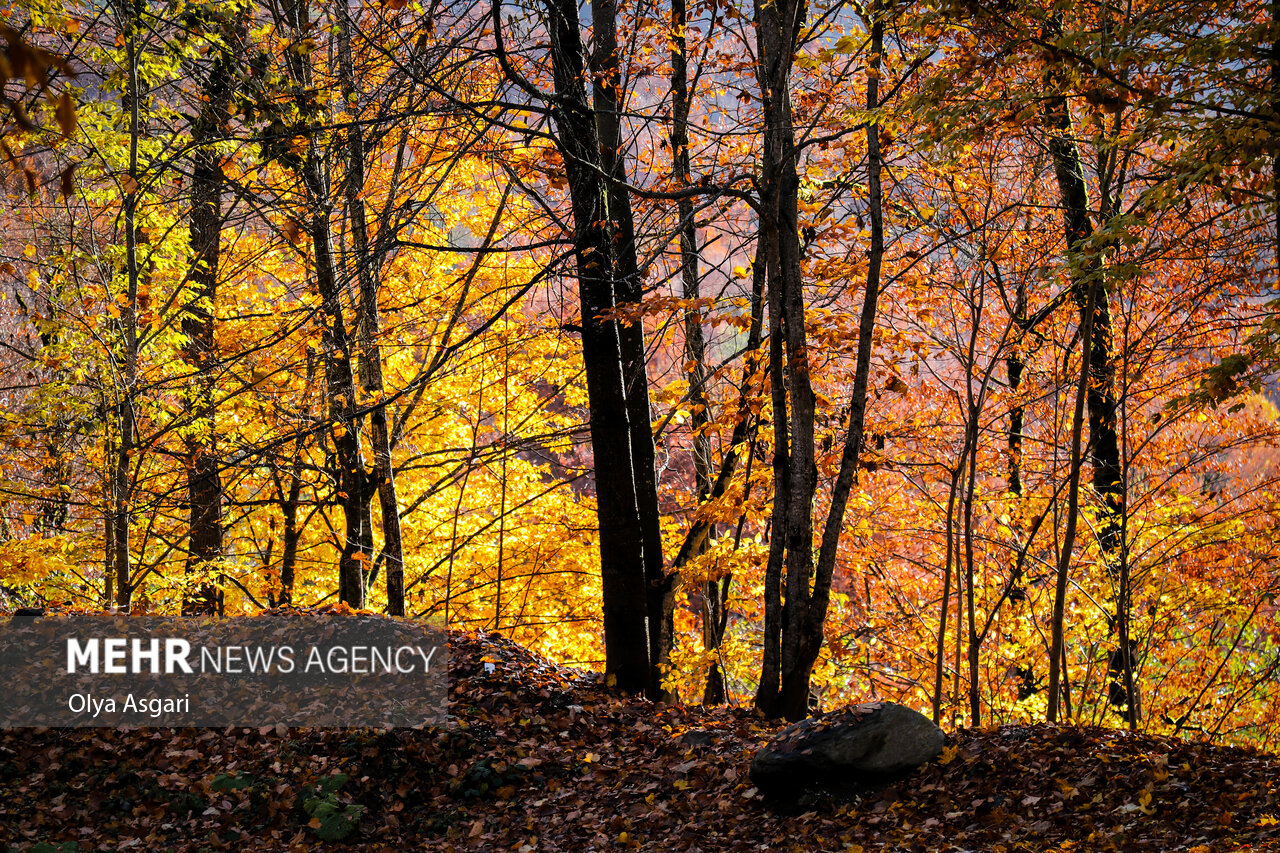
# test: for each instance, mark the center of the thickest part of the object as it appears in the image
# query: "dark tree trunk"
(204, 482)
(1057, 647)
(1015, 364)
(56, 470)
(336, 343)
(784, 685)
(121, 484)
(695, 346)
(940, 649)
(289, 545)
(856, 430)
(340, 390)
(1090, 292)
(797, 592)
(369, 329)
(636, 589)
(1275, 128)
(607, 102)
(970, 490)
(1086, 268)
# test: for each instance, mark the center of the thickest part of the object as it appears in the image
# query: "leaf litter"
(541, 757)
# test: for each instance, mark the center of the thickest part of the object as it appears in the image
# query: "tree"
(203, 462)
(636, 587)
(337, 341)
(797, 591)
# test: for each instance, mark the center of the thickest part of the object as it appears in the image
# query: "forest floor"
(544, 758)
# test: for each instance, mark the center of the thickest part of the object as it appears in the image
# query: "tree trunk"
(125, 409)
(204, 482)
(1086, 268)
(1057, 648)
(970, 490)
(336, 343)
(290, 537)
(1090, 293)
(768, 692)
(369, 328)
(1015, 364)
(607, 100)
(1274, 132)
(939, 663)
(695, 356)
(784, 686)
(635, 587)
(341, 391)
(794, 629)
(856, 431)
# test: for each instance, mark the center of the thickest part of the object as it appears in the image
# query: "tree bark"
(1057, 648)
(695, 356)
(204, 481)
(794, 626)
(369, 329)
(607, 102)
(784, 684)
(1275, 129)
(122, 516)
(635, 587)
(856, 430)
(290, 537)
(1015, 364)
(1086, 268)
(336, 343)
(1090, 293)
(940, 649)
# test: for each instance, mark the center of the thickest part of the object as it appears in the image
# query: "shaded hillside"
(543, 758)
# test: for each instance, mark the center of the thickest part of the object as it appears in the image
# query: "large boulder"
(846, 752)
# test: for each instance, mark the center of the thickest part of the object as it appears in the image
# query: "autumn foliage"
(945, 326)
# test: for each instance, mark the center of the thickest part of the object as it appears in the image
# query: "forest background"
(788, 353)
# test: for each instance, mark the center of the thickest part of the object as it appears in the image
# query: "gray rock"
(24, 616)
(847, 751)
(697, 737)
